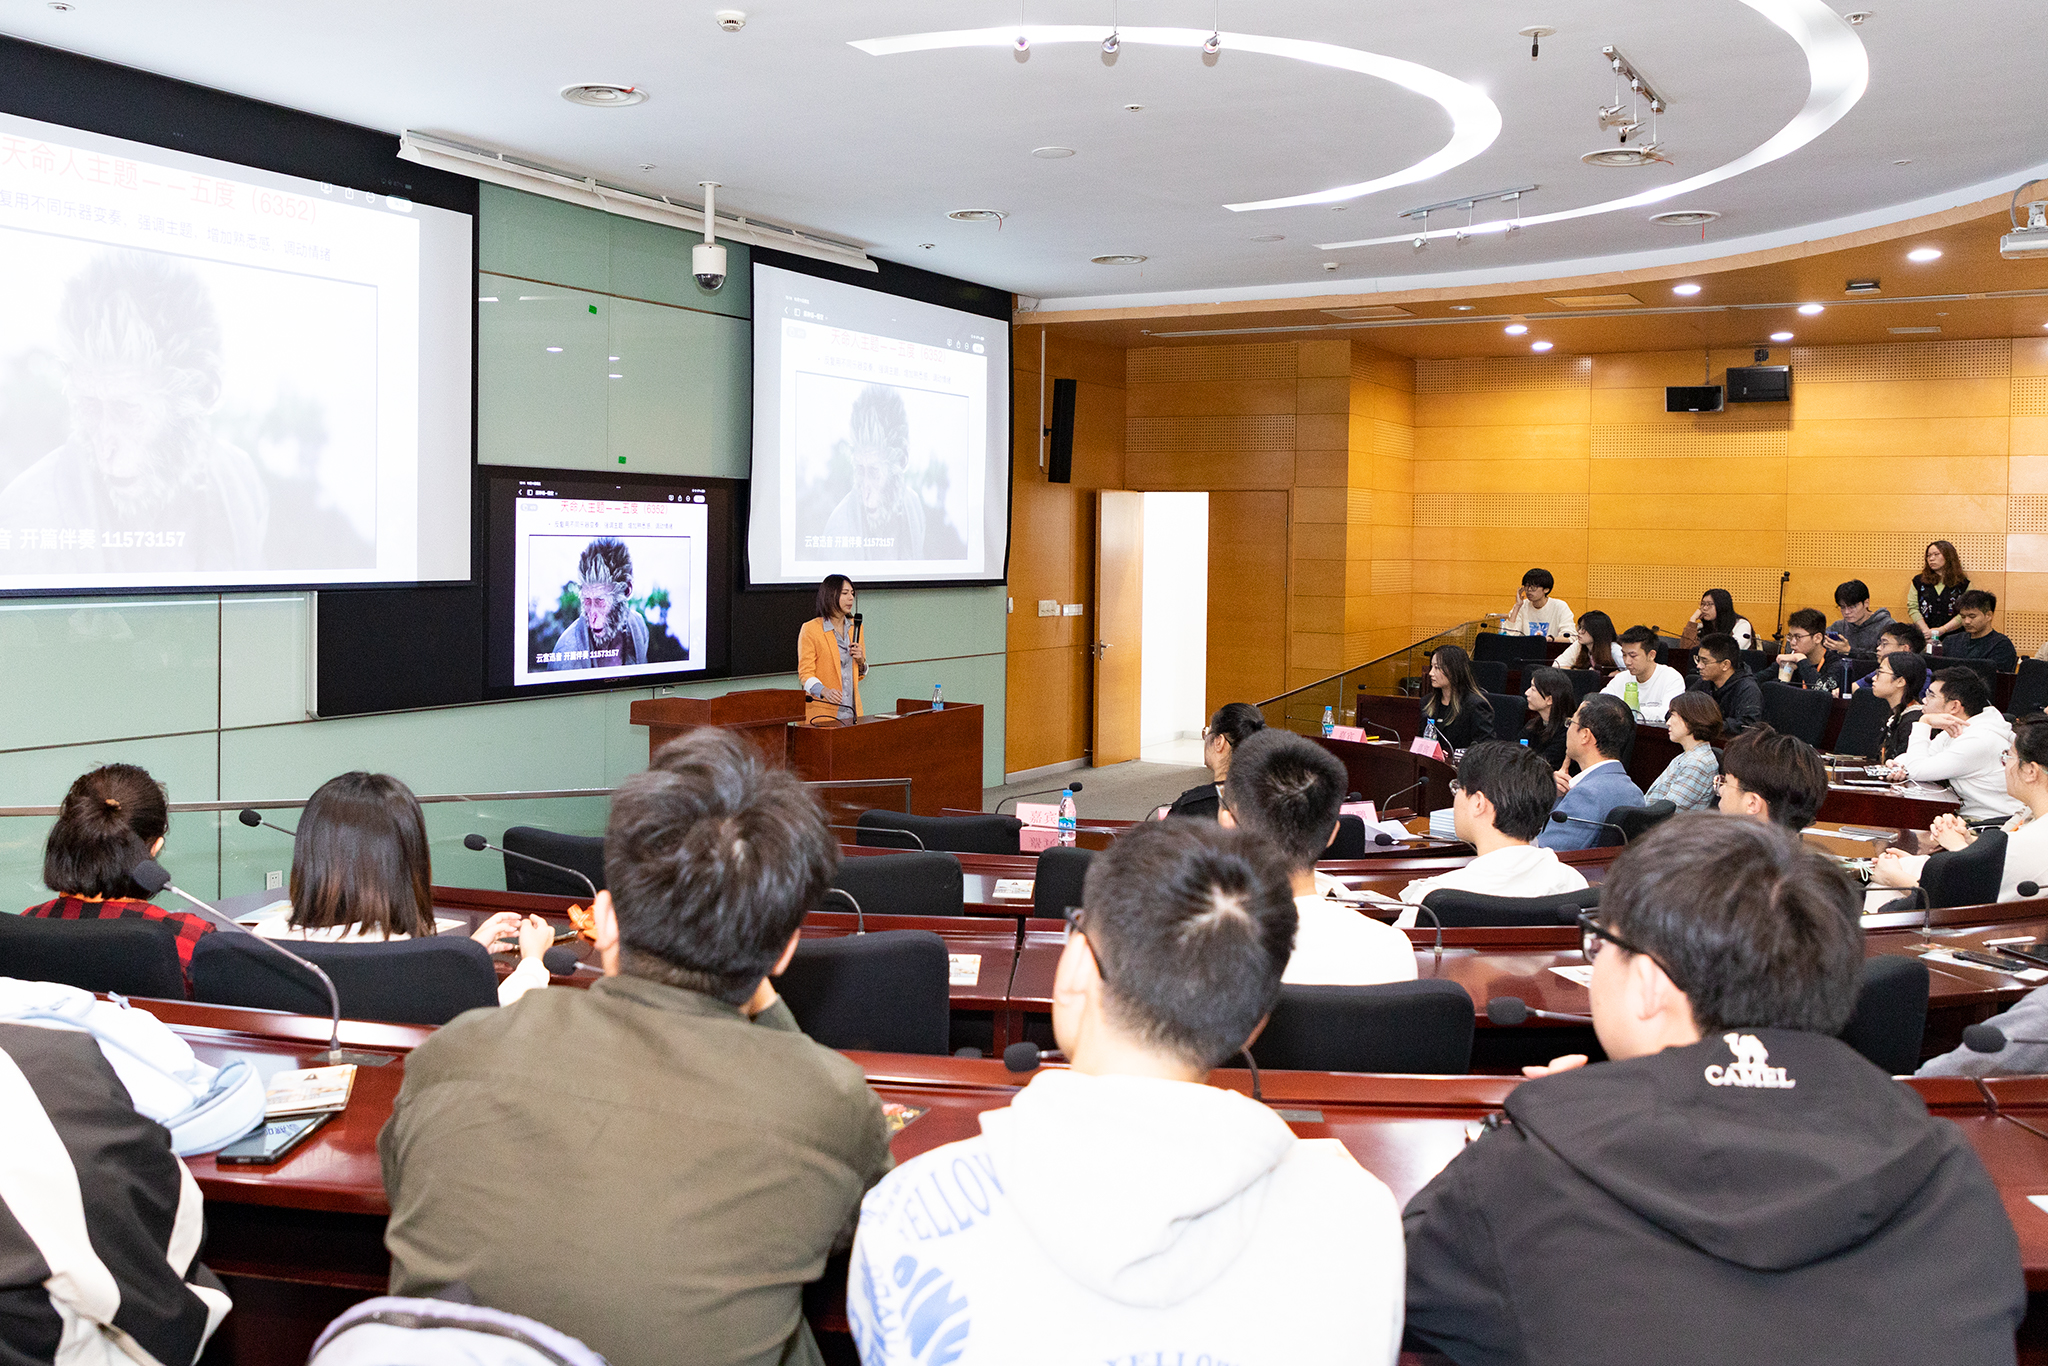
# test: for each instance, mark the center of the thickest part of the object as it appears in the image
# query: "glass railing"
(1401, 671)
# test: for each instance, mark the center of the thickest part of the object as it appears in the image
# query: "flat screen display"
(215, 376)
(881, 436)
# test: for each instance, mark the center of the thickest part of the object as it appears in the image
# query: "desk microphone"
(1402, 792)
(1422, 910)
(860, 920)
(477, 844)
(1509, 1011)
(1070, 787)
(2027, 888)
(252, 818)
(1989, 1038)
(1559, 818)
(561, 961)
(1024, 1056)
(1249, 1061)
(152, 878)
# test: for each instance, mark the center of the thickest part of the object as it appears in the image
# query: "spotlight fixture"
(1214, 44)
(1810, 309)
(1122, 259)
(1539, 346)
(1516, 329)
(731, 20)
(1271, 237)
(1329, 265)
(1781, 336)
(1924, 254)
(1535, 33)
(1687, 290)
(598, 95)
(1111, 44)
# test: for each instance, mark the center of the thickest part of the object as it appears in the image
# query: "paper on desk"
(964, 969)
(1947, 959)
(270, 910)
(1582, 973)
(2039, 1202)
(1013, 888)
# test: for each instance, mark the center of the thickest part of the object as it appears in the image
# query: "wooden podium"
(938, 751)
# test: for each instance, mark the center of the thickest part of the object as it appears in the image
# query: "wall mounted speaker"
(1059, 464)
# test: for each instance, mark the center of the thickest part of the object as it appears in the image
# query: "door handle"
(1095, 650)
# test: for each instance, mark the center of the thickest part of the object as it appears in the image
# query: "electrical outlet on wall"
(1047, 607)
(273, 880)
(1070, 609)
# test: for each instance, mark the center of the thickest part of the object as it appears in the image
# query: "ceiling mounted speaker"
(1622, 156)
(1685, 218)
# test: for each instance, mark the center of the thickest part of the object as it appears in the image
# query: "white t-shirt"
(1555, 613)
(1654, 697)
(1517, 870)
(1335, 945)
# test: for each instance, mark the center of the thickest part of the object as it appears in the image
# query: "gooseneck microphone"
(152, 877)
(1422, 910)
(1989, 1038)
(1559, 818)
(1509, 1011)
(1251, 1062)
(2027, 888)
(1024, 1056)
(1402, 792)
(252, 818)
(1050, 791)
(477, 844)
(860, 920)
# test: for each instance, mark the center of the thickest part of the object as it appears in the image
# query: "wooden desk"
(1379, 770)
(760, 715)
(939, 751)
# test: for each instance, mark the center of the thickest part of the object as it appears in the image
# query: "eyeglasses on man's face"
(1076, 917)
(1591, 932)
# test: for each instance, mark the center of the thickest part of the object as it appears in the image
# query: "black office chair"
(1457, 908)
(990, 834)
(1349, 841)
(1510, 711)
(584, 853)
(1637, 821)
(1796, 711)
(911, 883)
(1984, 667)
(1863, 725)
(1061, 872)
(1585, 682)
(128, 955)
(1762, 663)
(408, 981)
(1490, 674)
(2030, 689)
(1891, 1013)
(1968, 876)
(1423, 1026)
(883, 993)
(1680, 657)
(1511, 650)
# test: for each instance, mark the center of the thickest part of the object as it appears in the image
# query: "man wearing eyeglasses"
(1593, 740)
(1736, 1184)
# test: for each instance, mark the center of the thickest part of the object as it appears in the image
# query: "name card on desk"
(1014, 888)
(963, 969)
(1045, 814)
(1034, 838)
(1363, 810)
(1355, 734)
(1428, 748)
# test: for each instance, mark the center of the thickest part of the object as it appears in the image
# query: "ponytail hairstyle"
(107, 824)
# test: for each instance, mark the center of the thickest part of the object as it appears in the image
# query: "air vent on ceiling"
(1912, 331)
(1371, 311)
(1596, 301)
(597, 95)
(1862, 287)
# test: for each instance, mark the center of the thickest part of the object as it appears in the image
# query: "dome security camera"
(707, 263)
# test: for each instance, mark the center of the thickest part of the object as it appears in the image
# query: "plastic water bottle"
(1329, 721)
(1633, 696)
(1069, 817)
(1525, 742)
(1429, 734)
(938, 698)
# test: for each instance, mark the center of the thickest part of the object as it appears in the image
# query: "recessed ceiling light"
(1516, 329)
(1685, 218)
(1539, 346)
(1687, 290)
(1903, 161)
(1463, 308)
(616, 375)
(554, 348)
(1810, 309)
(597, 95)
(976, 215)
(1052, 153)
(1621, 156)
(926, 246)
(1134, 108)
(60, 6)
(1924, 254)
(1271, 237)
(1781, 336)
(1126, 259)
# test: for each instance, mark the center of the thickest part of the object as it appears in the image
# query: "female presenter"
(830, 658)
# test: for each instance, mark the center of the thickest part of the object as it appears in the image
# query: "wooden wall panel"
(1247, 596)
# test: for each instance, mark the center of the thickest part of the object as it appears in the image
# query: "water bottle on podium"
(938, 698)
(1070, 817)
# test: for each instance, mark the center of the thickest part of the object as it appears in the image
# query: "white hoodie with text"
(1125, 1220)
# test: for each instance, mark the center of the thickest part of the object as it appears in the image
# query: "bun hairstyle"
(106, 825)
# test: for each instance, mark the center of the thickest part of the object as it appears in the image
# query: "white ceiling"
(803, 129)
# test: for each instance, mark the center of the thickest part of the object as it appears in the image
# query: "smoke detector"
(597, 95)
(731, 20)
(1622, 156)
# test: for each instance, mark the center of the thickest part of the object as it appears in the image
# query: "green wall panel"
(79, 669)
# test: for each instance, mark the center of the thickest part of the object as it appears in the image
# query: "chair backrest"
(1423, 1026)
(1762, 663)
(1796, 711)
(584, 853)
(409, 981)
(1510, 710)
(1863, 725)
(2030, 689)
(1984, 667)
(1637, 821)
(1968, 876)
(990, 834)
(1511, 649)
(885, 993)
(1490, 674)
(1681, 658)
(1585, 682)
(1458, 908)
(1891, 1013)
(910, 883)
(1058, 883)
(1349, 841)
(130, 955)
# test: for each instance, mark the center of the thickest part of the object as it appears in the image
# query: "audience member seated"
(1600, 728)
(1858, 629)
(100, 1222)
(361, 874)
(2026, 843)
(1687, 782)
(1595, 647)
(1902, 636)
(1717, 616)
(1552, 701)
(1960, 741)
(1287, 791)
(1644, 686)
(691, 1157)
(1898, 682)
(1536, 613)
(1454, 704)
(1724, 676)
(1734, 1166)
(1122, 1199)
(1773, 778)
(1936, 592)
(1979, 639)
(1502, 802)
(1227, 730)
(112, 819)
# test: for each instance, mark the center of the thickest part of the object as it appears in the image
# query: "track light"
(1214, 45)
(1023, 43)
(1111, 44)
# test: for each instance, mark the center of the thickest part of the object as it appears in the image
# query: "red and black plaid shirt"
(187, 926)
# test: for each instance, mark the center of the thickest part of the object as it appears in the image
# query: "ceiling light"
(646, 165)
(1271, 237)
(597, 95)
(1924, 254)
(1539, 346)
(616, 375)
(1687, 290)
(1857, 16)
(1214, 44)
(1685, 218)
(1781, 336)
(1903, 161)
(926, 246)
(1622, 156)
(1119, 260)
(1810, 309)
(60, 6)
(554, 348)
(1462, 308)
(1133, 108)
(1052, 153)
(1516, 329)
(1111, 44)
(976, 215)
(731, 20)
(1872, 286)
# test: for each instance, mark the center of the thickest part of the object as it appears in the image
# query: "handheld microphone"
(152, 878)
(477, 844)
(860, 920)
(1559, 818)
(1018, 797)
(856, 626)
(1509, 1011)
(252, 818)
(1024, 1056)
(1402, 792)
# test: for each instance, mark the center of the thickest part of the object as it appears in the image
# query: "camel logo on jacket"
(1750, 1068)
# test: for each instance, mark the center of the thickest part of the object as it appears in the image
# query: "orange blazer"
(817, 656)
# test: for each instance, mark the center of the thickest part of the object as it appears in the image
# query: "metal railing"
(1398, 671)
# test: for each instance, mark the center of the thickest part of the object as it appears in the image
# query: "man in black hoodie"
(1725, 677)
(1737, 1185)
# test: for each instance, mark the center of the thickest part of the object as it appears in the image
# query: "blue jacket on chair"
(1599, 791)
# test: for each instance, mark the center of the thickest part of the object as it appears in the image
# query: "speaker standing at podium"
(830, 656)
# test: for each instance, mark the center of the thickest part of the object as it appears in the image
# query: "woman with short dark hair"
(112, 819)
(1687, 782)
(831, 656)
(1453, 702)
(1232, 724)
(361, 873)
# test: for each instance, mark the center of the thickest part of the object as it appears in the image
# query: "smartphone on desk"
(2035, 953)
(271, 1142)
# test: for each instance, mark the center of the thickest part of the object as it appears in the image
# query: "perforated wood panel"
(1987, 359)
(2030, 395)
(1209, 364)
(1565, 510)
(2029, 630)
(2024, 512)
(1695, 436)
(1492, 373)
(1981, 551)
(1393, 576)
(1682, 583)
(1358, 506)
(1210, 433)
(1393, 439)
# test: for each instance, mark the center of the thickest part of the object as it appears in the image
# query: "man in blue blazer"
(1594, 741)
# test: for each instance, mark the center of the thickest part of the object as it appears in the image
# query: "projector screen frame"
(69, 90)
(922, 286)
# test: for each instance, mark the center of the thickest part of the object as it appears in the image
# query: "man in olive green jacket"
(657, 1165)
